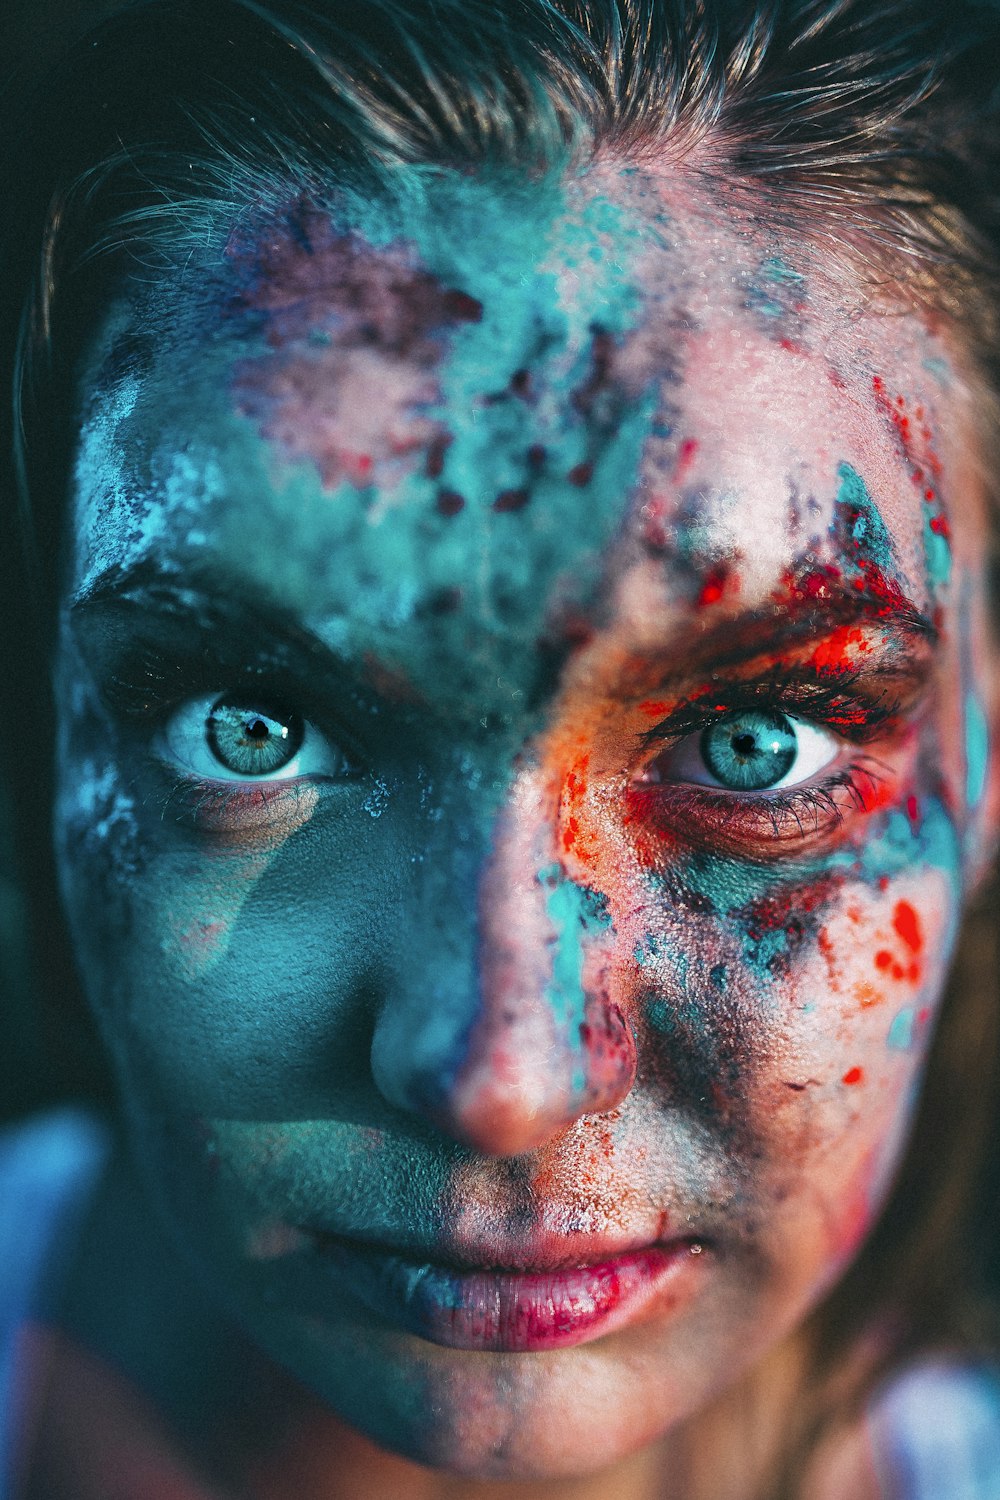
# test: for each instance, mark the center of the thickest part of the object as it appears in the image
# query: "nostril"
(609, 1045)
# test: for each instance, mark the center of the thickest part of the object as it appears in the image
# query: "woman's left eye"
(245, 737)
(748, 750)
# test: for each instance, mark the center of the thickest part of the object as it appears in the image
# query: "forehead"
(444, 431)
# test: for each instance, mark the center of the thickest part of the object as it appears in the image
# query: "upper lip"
(545, 1253)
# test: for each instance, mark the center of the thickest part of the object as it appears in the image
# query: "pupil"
(258, 730)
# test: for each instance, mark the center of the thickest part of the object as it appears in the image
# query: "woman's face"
(524, 693)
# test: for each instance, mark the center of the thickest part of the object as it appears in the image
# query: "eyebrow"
(781, 624)
(246, 615)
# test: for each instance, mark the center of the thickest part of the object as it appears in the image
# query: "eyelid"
(857, 705)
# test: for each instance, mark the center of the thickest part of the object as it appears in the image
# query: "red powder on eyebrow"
(686, 455)
(853, 1075)
(721, 580)
(655, 708)
(907, 924)
(840, 651)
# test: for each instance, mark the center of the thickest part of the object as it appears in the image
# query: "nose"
(506, 1050)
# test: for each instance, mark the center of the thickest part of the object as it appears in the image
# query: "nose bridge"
(532, 1038)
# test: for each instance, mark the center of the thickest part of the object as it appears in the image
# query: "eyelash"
(146, 689)
(775, 818)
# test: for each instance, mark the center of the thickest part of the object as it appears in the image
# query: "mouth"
(521, 1309)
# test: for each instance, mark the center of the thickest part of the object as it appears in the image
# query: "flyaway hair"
(871, 124)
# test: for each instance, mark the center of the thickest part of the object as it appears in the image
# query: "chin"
(563, 1414)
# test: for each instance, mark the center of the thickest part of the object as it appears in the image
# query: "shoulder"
(48, 1167)
(934, 1431)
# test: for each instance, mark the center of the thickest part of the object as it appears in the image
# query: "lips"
(514, 1310)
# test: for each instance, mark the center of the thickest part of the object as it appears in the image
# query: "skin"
(511, 494)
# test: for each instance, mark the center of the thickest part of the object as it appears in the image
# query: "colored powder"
(576, 913)
(857, 515)
(853, 1076)
(900, 1037)
(907, 924)
(937, 549)
(977, 749)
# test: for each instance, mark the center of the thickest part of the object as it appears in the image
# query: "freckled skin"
(507, 984)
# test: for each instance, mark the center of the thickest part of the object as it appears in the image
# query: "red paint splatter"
(913, 809)
(719, 582)
(939, 525)
(883, 959)
(581, 474)
(907, 924)
(840, 651)
(853, 1075)
(686, 455)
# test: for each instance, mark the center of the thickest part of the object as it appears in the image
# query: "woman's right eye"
(245, 737)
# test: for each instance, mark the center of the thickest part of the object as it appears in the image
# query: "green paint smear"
(977, 750)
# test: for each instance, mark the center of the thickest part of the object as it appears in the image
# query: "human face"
(523, 683)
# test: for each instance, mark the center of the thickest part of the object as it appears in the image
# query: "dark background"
(41, 1055)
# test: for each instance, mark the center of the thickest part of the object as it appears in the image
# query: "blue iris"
(251, 740)
(750, 750)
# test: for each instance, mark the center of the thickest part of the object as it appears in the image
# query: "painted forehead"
(473, 418)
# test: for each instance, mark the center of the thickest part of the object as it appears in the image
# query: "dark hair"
(875, 120)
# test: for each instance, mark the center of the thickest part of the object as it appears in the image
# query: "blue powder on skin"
(576, 913)
(937, 550)
(977, 750)
(775, 290)
(898, 847)
(900, 1037)
(857, 513)
(569, 417)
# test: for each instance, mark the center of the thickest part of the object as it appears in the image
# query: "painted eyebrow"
(216, 611)
(797, 623)
(205, 612)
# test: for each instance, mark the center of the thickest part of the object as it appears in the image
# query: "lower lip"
(514, 1311)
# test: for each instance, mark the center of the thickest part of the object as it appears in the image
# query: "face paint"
(581, 536)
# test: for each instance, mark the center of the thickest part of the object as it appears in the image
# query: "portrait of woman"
(501, 679)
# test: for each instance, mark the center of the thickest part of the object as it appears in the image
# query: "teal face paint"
(501, 498)
(977, 750)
